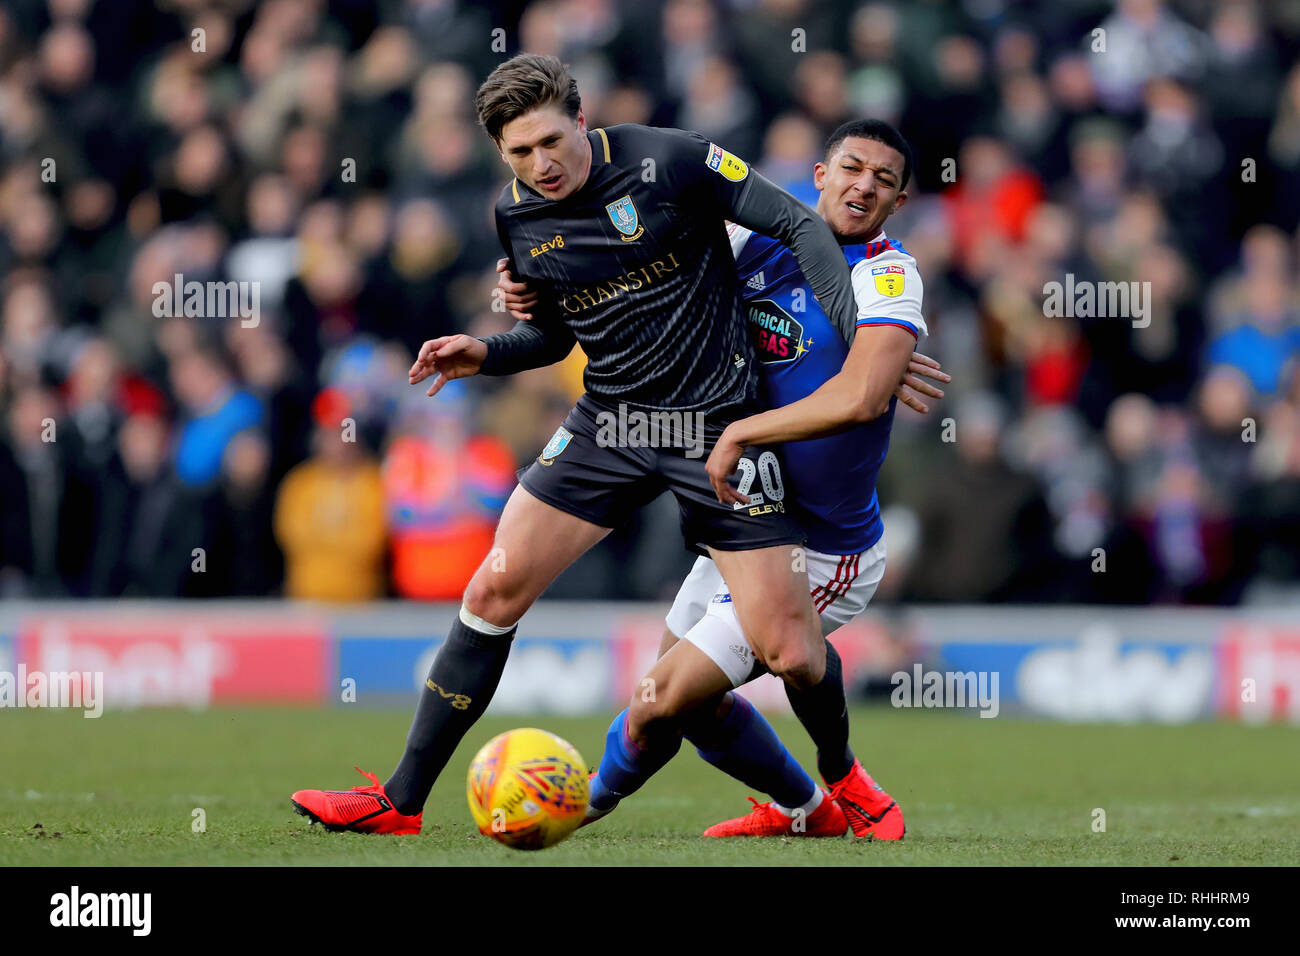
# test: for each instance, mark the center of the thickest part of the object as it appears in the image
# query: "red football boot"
(765, 820)
(870, 811)
(359, 810)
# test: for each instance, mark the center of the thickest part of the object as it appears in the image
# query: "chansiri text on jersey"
(612, 288)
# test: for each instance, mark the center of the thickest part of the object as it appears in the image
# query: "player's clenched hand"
(515, 295)
(920, 365)
(448, 357)
(721, 464)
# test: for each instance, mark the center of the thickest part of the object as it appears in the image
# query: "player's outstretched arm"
(714, 181)
(445, 358)
(880, 360)
(531, 344)
(912, 386)
(539, 337)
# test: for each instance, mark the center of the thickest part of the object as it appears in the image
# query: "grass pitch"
(123, 790)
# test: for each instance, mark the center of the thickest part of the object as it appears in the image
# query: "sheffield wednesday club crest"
(623, 214)
(559, 441)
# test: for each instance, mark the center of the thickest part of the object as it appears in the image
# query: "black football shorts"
(602, 465)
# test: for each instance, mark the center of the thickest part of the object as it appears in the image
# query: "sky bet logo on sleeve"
(889, 280)
(725, 165)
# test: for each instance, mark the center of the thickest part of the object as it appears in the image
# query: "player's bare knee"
(654, 711)
(646, 713)
(494, 597)
(643, 719)
(795, 662)
(792, 667)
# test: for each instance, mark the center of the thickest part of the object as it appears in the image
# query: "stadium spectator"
(39, 526)
(1266, 339)
(444, 490)
(217, 408)
(152, 523)
(1271, 504)
(329, 514)
(1142, 40)
(985, 530)
(243, 558)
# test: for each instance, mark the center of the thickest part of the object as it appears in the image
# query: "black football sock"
(824, 713)
(463, 678)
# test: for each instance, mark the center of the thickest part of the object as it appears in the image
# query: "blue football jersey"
(831, 481)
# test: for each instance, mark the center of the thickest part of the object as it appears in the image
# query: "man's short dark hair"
(522, 84)
(881, 132)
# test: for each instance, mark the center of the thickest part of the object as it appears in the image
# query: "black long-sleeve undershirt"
(536, 343)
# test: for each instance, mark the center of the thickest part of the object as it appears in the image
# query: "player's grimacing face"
(861, 186)
(548, 150)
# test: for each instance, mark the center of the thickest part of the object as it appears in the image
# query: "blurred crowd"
(326, 151)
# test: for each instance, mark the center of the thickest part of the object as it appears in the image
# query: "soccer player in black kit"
(623, 231)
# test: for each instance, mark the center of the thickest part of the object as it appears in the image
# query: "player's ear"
(819, 176)
(899, 202)
(582, 122)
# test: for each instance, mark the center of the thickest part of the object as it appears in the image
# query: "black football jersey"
(636, 265)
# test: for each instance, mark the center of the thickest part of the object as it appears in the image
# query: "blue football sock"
(743, 745)
(625, 767)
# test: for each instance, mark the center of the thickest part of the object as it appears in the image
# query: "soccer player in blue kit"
(832, 408)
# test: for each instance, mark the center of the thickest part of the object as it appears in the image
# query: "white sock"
(472, 620)
(813, 803)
